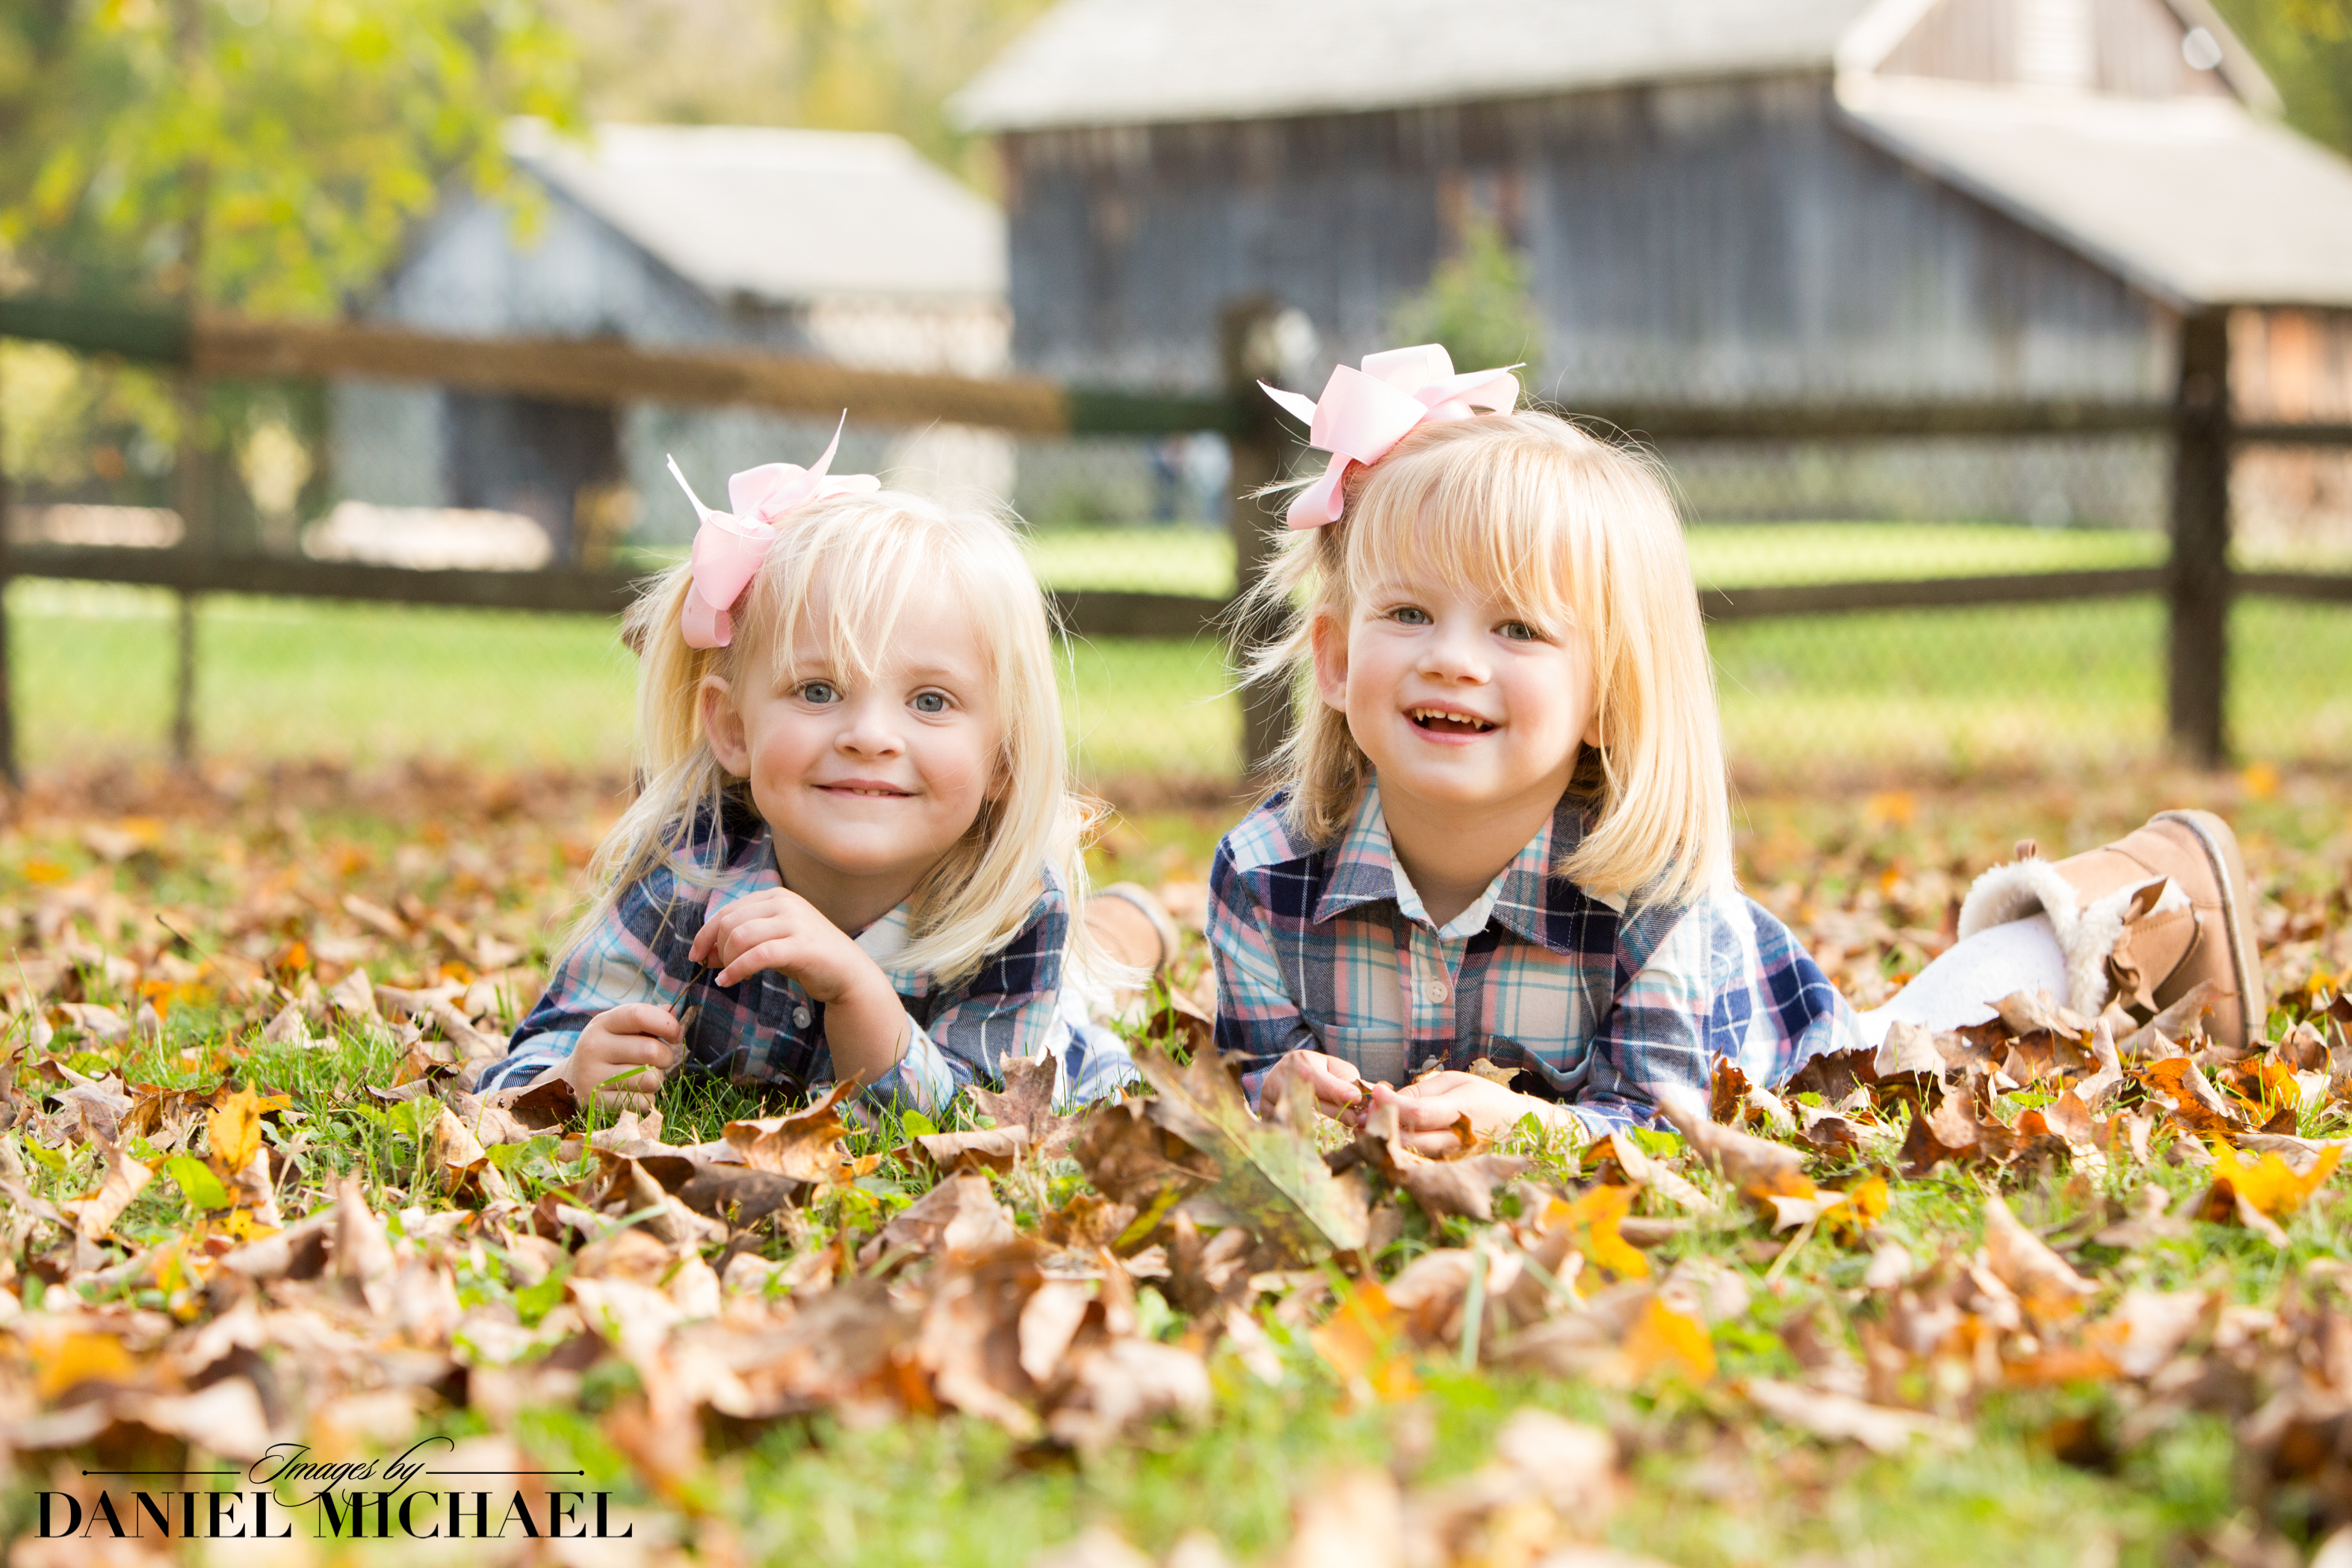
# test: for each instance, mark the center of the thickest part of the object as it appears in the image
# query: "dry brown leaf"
(1843, 1418)
(2195, 1104)
(1756, 1167)
(2024, 1262)
(1027, 1102)
(805, 1145)
(123, 1179)
(987, 1148)
(958, 1217)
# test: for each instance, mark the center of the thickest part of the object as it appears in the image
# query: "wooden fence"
(2196, 583)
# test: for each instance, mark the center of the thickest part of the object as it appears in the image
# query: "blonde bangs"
(1477, 528)
(1579, 538)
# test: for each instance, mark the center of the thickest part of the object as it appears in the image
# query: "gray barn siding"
(1728, 240)
(562, 272)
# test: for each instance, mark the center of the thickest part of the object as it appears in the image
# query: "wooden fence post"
(1247, 348)
(2198, 576)
(8, 771)
(192, 493)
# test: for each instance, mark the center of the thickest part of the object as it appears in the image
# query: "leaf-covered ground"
(2059, 1290)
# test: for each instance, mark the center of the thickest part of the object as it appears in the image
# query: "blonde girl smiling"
(855, 853)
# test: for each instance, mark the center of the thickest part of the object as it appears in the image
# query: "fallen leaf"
(1590, 1219)
(1662, 1338)
(2196, 1106)
(988, 1148)
(1756, 1167)
(1026, 1102)
(1268, 1172)
(1363, 1342)
(124, 1179)
(2024, 1262)
(806, 1146)
(1843, 1418)
(958, 1217)
(233, 1130)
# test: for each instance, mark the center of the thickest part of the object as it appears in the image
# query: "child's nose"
(1454, 654)
(870, 732)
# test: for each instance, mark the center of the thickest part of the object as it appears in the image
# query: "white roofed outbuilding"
(843, 245)
(1717, 200)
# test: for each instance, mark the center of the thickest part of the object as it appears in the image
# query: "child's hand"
(1336, 1085)
(1427, 1111)
(636, 1043)
(866, 1025)
(780, 930)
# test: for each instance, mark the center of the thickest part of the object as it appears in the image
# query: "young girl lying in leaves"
(1501, 838)
(854, 851)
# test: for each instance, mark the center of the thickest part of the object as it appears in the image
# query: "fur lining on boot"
(2023, 889)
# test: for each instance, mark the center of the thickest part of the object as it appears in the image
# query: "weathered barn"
(1718, 199)
(846, 246)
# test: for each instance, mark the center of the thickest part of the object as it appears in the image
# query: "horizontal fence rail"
(2196, 581)
(602, 371)
(1083, 613)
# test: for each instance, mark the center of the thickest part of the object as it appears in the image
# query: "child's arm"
(1009, 1007)
(603, 1014)
(1728, 982)
(1259, 1026)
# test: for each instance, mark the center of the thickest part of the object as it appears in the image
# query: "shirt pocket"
(1380, 1052)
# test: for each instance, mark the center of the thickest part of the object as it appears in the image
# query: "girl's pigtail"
(678, 781)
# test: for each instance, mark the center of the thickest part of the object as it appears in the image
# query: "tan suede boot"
(2142, 920)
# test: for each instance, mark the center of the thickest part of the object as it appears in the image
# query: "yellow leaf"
(235, 1130)
(1865, 1206)
(1593, 1217)
(1662, 1337)
(1362, 1340)
(45, 872)
(2270, 1184)
(1892, 808)
(165, 995)
(77, 1358)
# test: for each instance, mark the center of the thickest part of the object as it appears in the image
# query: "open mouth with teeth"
(1445, 721)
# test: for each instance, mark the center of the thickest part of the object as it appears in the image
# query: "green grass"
(1191, 559)
(1712, 1486)
(2062, 685)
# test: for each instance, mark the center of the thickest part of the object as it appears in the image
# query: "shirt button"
(800, 1017)
(1434, 990)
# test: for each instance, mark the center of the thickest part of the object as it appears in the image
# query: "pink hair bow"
(730, 547)
(1364, 412)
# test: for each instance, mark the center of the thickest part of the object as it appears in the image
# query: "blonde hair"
(1582, 538)
(842, 570)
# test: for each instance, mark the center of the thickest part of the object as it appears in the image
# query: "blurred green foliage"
(267, 155)
(840, 65)
(1478, 305)
(2306, 46)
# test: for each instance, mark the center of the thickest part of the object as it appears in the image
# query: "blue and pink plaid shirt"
(1593, 1002)
(766, 1028)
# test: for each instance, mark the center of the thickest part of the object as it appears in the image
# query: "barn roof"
(779, 215)
(2193, 199)
(1133, 62)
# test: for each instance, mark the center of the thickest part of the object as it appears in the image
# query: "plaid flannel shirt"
(1592, 1003)
(766, 1028)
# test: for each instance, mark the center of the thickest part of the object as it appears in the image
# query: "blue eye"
(1519, 632)
(931, 702)
(819, 693)
(1410, 615)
